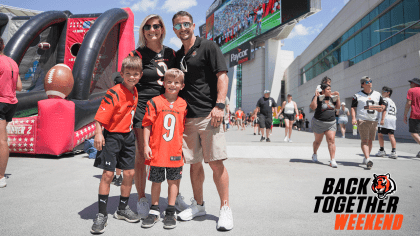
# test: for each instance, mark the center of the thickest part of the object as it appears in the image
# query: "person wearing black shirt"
(205, 90)
(266, 106)
(323, 122)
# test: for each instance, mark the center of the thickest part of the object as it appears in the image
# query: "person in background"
(343, 114)
(413, 103)
(387, 124)
(289, 108)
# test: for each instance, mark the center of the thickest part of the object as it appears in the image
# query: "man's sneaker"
(99, 224)
(119, 181)
(393, 155)
(369, 163)
(314, 157)
(285, 139)
(225, 222)
(262, 138)
(418, 155)
(364, 161)
(151, 219)
(268, 140)
(333, 164)
(169, 222)
(193, 211)
(290, 140)
(381, 153)
(143, 208)
(127, 214)
(3, 182)
(180, 205)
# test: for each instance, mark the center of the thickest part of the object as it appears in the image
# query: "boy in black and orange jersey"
(163, 124)
(116, 146)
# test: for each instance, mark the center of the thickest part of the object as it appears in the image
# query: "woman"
(10, 82)
(156, 59)
(323, 122)
(342, 113)
(289, 108)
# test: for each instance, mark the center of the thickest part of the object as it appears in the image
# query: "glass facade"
(239, 85)
(402, 15)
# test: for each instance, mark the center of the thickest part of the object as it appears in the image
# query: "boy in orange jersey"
(116, 146)
(163, 124)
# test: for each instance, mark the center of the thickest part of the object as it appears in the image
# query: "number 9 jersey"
(362, 99)
(168, 122)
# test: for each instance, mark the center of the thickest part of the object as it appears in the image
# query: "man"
(365, 104)
(239, 118)
(206, 84)
(266, 106)
(413, 102)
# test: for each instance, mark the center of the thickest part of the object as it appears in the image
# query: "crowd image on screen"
(232, 20)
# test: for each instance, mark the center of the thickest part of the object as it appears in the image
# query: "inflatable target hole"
(75, 49)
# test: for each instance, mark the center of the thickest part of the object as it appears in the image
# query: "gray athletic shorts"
(320, 127)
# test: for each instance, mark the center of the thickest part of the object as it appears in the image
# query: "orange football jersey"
(117, 109)
(239, 114)
(168, 122)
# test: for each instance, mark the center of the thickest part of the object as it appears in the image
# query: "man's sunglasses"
(155, 26)
(186, 25)
(368, 82)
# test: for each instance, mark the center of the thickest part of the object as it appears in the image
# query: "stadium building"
(375, 38)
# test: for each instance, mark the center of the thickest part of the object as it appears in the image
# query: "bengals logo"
(165, 68)
(383, 185)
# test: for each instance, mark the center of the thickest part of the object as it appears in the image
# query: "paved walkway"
(272, 190)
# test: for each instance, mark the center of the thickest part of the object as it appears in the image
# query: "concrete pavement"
(272, 190)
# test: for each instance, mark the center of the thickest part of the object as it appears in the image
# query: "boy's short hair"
(175, 73)
(325, 80)
(134, 63)
(182, 13)
(387, 89)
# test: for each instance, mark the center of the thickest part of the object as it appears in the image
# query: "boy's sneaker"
(143, 208)
(333, 163)
(268, 140)
(393, 155)
(127, 214)
(169, 222)
(99, 224)
(193, 211)
(290, 140)
(225, 222)
(262, 138)
(119, 181)
(180, 205)
(314, 157)
(285, 139)
(381, 153)
(3, 182)
(369, 163)
(151, 219)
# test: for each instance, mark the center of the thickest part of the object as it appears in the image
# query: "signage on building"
(240, 54)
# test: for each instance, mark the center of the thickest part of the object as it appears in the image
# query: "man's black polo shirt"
(204, 60)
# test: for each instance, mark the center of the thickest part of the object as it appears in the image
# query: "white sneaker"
(333, 164)
(381, 153)
(369, 163)
(180, 205)
(225, 222)
(286, 139)
(290, 140)
(343, 136)
(3, 182)
(364, 161)
(192, 211)
(143, 208)
(314, 157)
(393, 155)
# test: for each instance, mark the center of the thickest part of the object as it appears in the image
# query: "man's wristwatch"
(220, 105)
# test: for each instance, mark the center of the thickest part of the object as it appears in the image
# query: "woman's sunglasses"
(155, 26)
(185, 24)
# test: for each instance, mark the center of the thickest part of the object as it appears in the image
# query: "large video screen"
(238, 21)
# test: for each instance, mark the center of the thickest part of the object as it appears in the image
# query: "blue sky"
(301, 36)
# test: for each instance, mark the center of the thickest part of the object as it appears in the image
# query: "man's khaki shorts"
(203, 141)
(367, 129)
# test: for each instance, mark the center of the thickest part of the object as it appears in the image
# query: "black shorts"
(7, 111)
(289, 116)
(119, 151)
(385, 131)
(413, 126)
(157, 174)
(265, 122)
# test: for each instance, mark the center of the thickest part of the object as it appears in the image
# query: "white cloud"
(145, 5)
(126, 2)
(301, 30)
(178, 5)
(345, 1)
(176, 42)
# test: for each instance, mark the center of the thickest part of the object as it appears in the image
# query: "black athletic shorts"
(119, 151)
(157, 174)
(289, 116)
(7, 111)
(385, 131)
(413, 126)
(265, 122)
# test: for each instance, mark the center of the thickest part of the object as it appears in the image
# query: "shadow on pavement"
(206, 217)
(308, 162)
